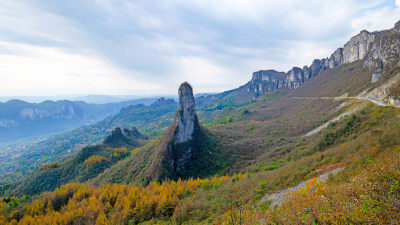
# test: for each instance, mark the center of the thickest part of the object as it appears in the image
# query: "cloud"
(378, 19)
(43, 70)
(149, 47)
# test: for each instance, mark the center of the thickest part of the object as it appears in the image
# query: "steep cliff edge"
(380, 50)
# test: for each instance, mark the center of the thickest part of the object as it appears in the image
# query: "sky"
(147, 48)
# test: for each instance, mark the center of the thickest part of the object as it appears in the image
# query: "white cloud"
(378, 19)
(397, 3)
(37, 70)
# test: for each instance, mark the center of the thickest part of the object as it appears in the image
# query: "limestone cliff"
(377, 49)
(265, 80)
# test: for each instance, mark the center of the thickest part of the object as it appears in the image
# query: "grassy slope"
(365, 148)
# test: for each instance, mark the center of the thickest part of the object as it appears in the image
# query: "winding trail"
(325, 125)
(342, 97)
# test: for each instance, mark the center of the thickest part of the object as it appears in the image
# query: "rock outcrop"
(119, 138)
(181, 141)
(266, 80)
(134, 133)
(376, 49)
(186, 116)
(358, 46)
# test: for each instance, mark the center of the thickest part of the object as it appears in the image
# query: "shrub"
(49, 165)
(93, 160)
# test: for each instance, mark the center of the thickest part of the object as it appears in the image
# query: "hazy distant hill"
(20, 119)
(104, 99)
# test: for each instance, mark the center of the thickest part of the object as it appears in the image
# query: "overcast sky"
(119, 47)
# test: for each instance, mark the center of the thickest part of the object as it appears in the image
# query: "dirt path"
(278, 196)
(325, 125)
(342, 97)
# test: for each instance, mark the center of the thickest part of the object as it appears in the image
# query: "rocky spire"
(184, 150)
(186, 116)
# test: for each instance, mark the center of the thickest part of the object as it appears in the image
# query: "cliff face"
(377, 49)
(265, 80)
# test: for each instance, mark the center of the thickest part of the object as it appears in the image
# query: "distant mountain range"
(94, 99)
(20, 119)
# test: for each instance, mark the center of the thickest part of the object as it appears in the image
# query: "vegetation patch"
(94, 160)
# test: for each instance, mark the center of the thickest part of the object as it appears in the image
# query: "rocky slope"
(379, 50)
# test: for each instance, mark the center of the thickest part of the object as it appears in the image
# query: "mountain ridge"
(365, 45)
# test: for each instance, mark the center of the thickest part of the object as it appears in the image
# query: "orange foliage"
(120, 150)
(76, 203)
